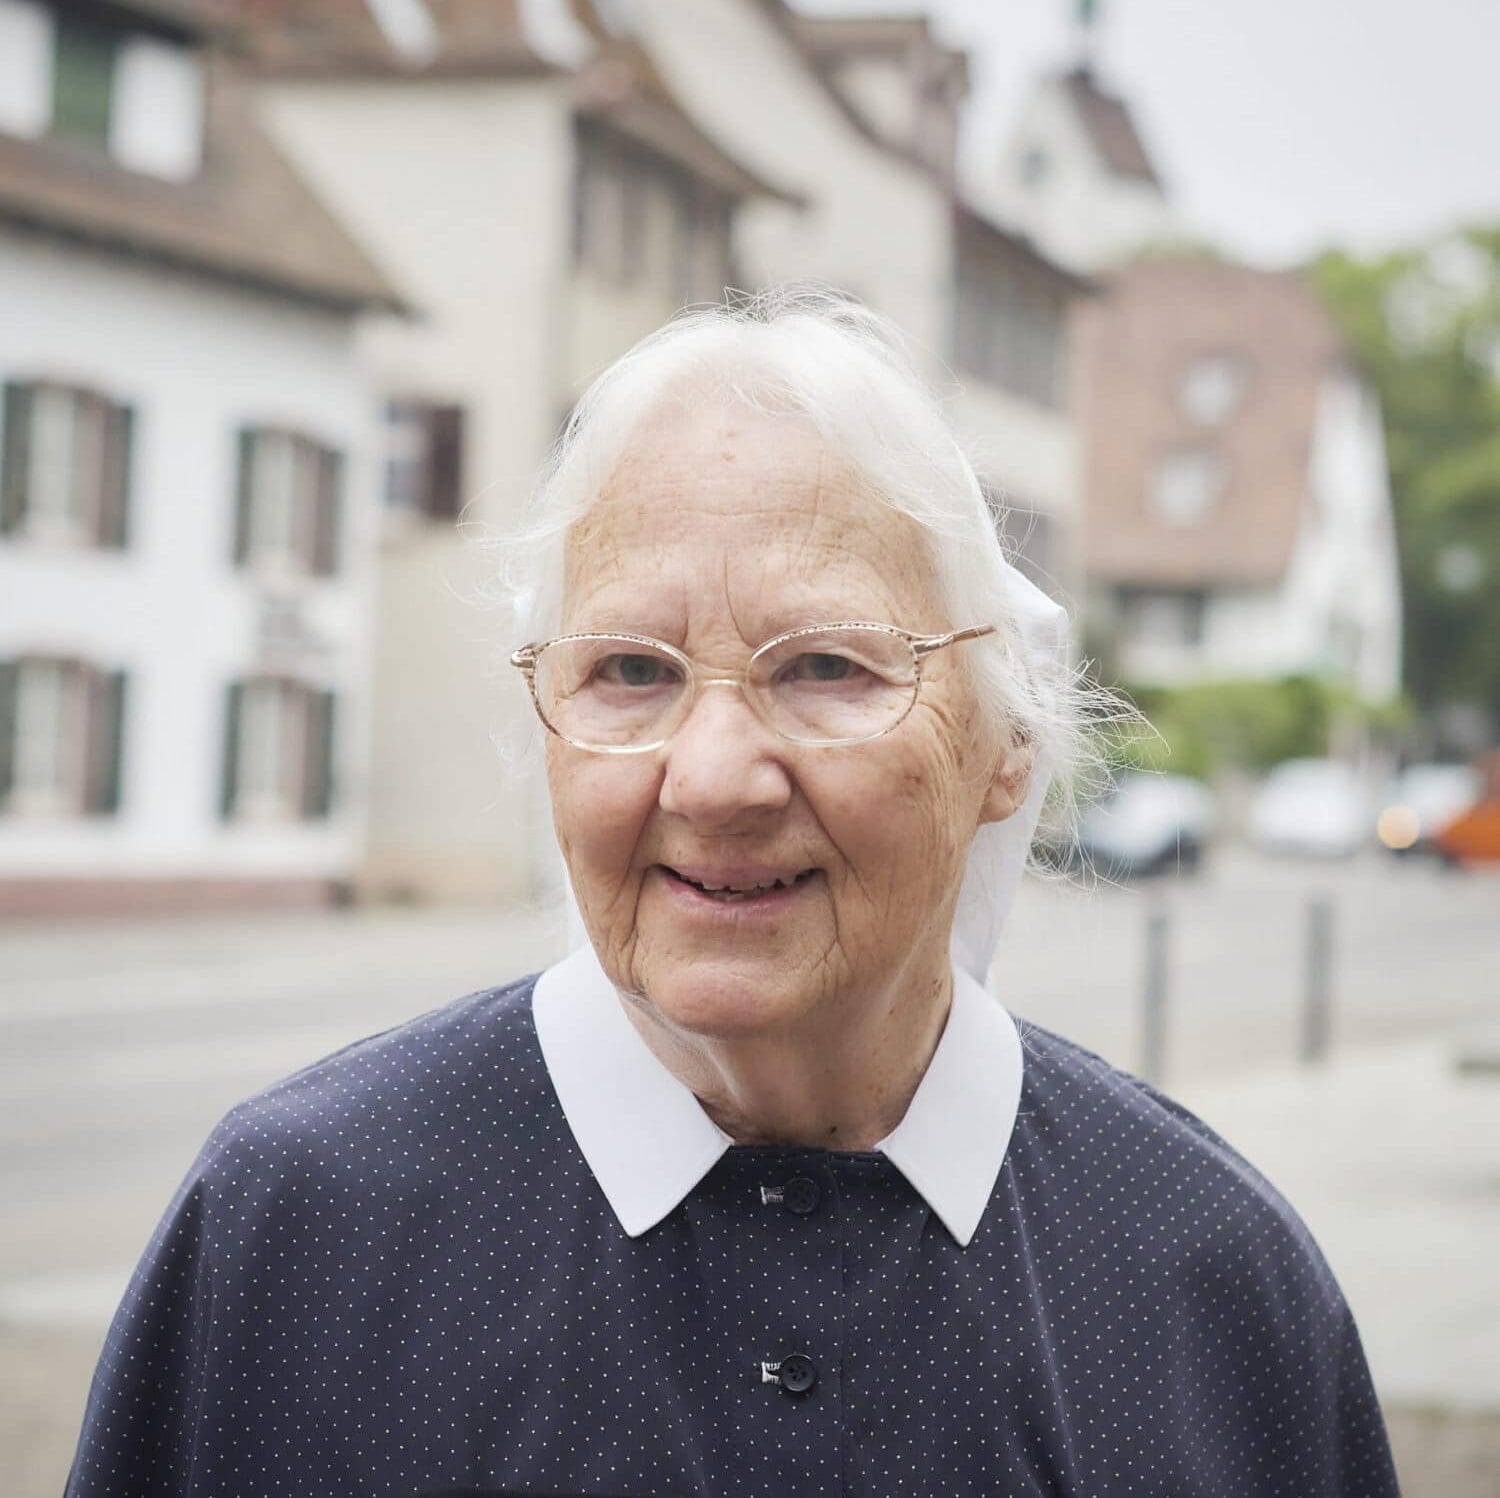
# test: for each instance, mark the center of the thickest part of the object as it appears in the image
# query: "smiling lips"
(737, 886)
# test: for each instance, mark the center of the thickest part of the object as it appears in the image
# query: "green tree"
(1424, 324)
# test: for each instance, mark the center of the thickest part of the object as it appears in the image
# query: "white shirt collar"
(649, 1143)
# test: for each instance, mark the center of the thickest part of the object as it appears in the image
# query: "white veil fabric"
(997, 860)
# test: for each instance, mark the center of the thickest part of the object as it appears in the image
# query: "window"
(1212, 387)
(703, 256)
(61, 724)
(424, 458)
(287, 503)
(1009, 331)
(1162, 618)
(609, 207)
(1187, 485)
(64, 465)
(278, 751)
(641, 219)
(1035, 166)
(83, 78)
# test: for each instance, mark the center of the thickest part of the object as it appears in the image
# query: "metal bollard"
(1154, 1012)
(1317, 991)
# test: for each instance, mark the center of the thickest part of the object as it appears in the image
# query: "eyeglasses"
(823, 684)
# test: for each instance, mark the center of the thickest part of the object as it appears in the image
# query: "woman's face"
(718, 529)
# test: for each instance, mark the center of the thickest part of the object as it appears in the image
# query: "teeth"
(740, 891)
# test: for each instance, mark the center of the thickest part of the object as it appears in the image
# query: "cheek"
(599, 808)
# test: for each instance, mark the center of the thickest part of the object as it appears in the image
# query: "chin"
(724, 1002)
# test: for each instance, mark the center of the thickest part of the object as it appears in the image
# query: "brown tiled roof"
(1136, 343)
(246, 215)
(188, 18)
(340, 38)
(978, 231)
(1109, 126)
(831, 39)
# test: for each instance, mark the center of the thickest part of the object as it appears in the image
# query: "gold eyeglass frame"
(921, 646)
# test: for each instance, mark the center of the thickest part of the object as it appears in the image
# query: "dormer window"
(133, 94)
(1211, 389)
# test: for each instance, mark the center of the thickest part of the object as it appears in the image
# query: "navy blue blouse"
(393, 1274)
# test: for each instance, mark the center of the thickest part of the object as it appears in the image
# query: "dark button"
(798, 1373)
(801, 1195)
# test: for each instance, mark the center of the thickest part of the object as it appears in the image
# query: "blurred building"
(1075, 175)
(186, 553)
(859, 117)
(1238, 517)
(551, 180)
(1236, 512)
(546, 200)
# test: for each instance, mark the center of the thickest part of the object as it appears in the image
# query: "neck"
(841, 1084)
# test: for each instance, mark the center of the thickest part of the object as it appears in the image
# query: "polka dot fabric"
(393, 1274)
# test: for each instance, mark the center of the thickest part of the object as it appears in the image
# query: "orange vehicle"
(1474, 835)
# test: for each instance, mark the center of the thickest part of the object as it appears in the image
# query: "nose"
(723, 763)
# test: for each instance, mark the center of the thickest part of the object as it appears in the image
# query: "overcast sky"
(1280, 126)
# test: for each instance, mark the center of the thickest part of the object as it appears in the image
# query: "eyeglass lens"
(828, 686)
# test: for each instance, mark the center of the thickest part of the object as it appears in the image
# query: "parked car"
(1313, 807)
(1147, 824)
(1473, 836)
(1422, 800)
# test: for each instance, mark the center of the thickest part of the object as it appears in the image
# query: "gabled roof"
(246, 216)
(1136, 345)
(832, 39)
(615, 82)
(621, 87)
(975, 229)
(1109, 127)
(342, 38)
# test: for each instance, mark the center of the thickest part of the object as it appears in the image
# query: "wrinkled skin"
(719, 528)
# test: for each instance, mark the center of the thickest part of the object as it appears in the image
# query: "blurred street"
(124, 1042)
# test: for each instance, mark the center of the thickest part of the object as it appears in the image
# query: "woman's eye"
(814, 666)
(635, 670)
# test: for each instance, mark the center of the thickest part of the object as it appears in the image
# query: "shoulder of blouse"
(412, 1079)
(1154, 1170)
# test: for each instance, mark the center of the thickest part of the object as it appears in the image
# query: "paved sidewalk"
(1392, 1156)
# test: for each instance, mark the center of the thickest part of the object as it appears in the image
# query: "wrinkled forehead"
(757, 506)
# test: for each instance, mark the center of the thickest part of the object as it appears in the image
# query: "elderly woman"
(759, 1191)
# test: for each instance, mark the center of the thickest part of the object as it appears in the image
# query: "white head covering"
(997, 859)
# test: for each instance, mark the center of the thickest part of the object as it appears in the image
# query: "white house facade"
(186, 526)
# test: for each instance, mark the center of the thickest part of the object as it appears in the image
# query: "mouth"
(761, 887)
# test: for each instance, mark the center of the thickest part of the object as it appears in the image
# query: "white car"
(1315, 807)
(1147, 824)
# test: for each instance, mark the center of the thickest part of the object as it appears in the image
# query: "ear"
(1012, 779)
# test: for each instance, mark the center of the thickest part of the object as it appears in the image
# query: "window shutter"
(114, 490)
(317, 778)
(327, 509)
(105, 737)
(229, 780)
(443, 491)
(244, 495)
(10, 672)
(15, 457)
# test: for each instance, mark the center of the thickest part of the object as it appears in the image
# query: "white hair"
(818, 354)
